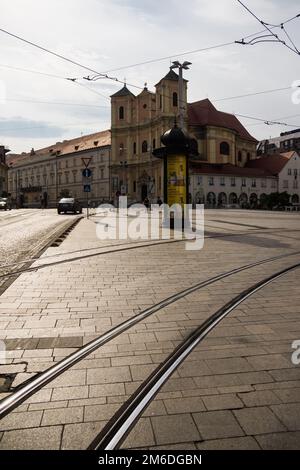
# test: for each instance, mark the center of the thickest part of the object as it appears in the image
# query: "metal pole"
(87, 205)
(180, 98)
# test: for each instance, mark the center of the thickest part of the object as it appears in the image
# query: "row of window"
(233, 182)
(145, 147)
(37, 180)
(286, 184)
(295, 172)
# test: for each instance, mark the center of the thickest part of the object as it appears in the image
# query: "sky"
(38, 110)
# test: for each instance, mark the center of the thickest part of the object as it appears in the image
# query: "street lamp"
(181, 67)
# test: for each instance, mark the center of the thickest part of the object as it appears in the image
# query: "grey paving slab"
(245, 362)
(279, 441)
(259, 420)
(234, 443)
(289, 415)
(42, 438)
(217, 424)
(174, 429)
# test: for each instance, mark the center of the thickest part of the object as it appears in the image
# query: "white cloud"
(105, 34)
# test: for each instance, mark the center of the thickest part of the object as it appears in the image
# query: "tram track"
(24, 391)
(122, 247)
(120, 425)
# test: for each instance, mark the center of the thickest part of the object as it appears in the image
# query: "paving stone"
(280, 441)
(227, 366)
(140, 436)
(108, 375)
(182, 446)
(46, 438)
(259, 420)
(193, 369)
(235, 443)
(290, 395)
(70, 393)
(259, 398)
(62, 416)
(24, 420)
(115, 389)
(269, 362)
(184, 405)
(99, 412)
(289, 415)
(222, 402)
(79, 436)
(70, 378)
(173, 429)
(217, 424)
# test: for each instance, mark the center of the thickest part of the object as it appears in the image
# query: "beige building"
(138, 123)
(222, 185)
(43, 176)
(3, 170)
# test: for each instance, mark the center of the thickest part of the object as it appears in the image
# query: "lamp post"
(181, 67)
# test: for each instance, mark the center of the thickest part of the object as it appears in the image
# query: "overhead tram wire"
(60, 56)
(75, 81)
(269, 29)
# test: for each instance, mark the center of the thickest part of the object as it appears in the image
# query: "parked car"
(69, 205)
(4, 203)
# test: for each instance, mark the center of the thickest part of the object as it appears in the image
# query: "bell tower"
(167, 96)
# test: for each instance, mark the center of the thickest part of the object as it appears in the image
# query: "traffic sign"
(87, 188)
(87, 161)
(87, 173)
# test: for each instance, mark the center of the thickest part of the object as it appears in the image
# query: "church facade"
(138, 122)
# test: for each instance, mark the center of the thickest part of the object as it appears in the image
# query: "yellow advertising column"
(176, 180)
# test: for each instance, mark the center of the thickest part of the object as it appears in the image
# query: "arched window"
(248, 157)
(224, 148)
(145, 146)
(134, 148)
(154, 144)
(121, 112)
(240, 156)
(175, 99)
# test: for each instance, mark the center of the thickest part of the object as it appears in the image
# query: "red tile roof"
(85, 142)
(271, 163)
(203, 113)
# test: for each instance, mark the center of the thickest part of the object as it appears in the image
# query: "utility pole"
(181, 101)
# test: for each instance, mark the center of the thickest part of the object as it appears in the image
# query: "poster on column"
(176, 179)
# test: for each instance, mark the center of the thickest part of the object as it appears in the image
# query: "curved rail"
(137, 245)
(116, 430)
(36, 383)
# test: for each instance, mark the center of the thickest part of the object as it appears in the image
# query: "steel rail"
(119, 426)
(25, 391)
(118, 250)
(58, 255)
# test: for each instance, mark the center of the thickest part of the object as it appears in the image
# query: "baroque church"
(138, 122)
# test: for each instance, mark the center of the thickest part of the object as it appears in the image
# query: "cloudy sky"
(37, 110)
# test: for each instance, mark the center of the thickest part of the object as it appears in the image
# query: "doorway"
(144, 191)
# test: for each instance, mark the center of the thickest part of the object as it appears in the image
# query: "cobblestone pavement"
(237, 390)
(22, 230)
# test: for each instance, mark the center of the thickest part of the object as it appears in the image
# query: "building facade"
(42, 177)
(226, 185)
(138, 122)
(3, 171)
(286, 142)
